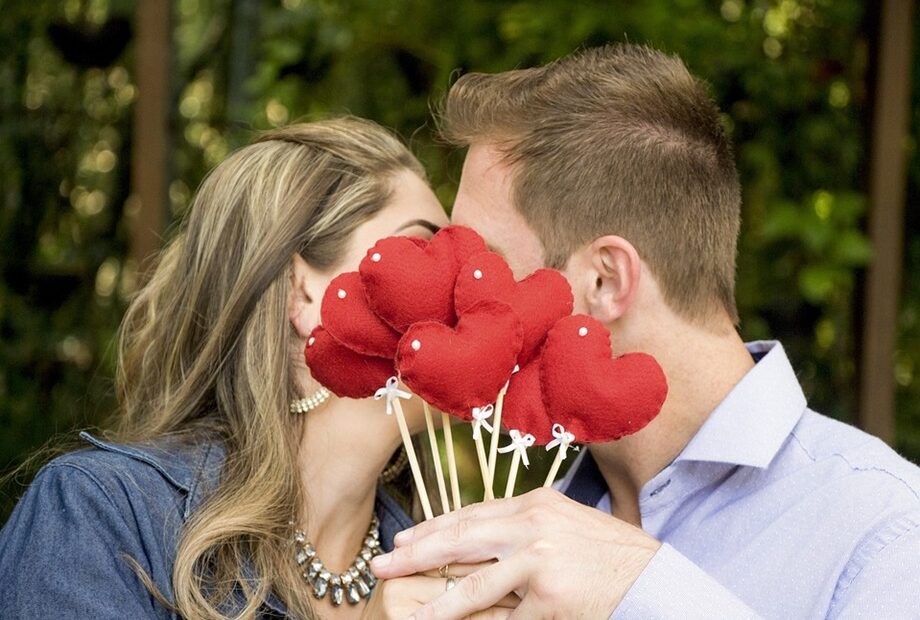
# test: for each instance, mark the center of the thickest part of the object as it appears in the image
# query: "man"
(737, 500)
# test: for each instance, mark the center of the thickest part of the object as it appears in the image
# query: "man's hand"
(563, 559)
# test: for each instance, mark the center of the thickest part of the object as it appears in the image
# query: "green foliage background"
(792, 77)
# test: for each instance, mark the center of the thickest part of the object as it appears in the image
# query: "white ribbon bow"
(563, 439)
(520, 443)
(481, 417)
(391, 392)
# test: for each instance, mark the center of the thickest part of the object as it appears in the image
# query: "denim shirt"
(62, 550)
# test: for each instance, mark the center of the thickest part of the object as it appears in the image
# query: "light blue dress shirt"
(774, 511)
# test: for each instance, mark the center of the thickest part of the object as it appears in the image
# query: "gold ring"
(451, 583)
(444, 572)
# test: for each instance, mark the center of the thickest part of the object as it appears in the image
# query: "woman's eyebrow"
(434, 228)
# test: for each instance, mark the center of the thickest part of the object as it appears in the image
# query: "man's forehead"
(485, 184)
(485, 203)
(487, 161)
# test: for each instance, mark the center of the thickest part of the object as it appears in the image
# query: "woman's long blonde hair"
(204, 349)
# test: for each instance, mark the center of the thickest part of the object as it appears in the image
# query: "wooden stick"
(451, 461)
(436, 455)
(497, 425)
(484, 466)
(413, 460)
(554, 469)
(512, 473)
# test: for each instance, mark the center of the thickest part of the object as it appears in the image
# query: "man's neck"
(702, 368)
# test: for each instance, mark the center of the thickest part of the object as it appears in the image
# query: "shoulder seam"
(193, 485)
(807, 452)
(134, 455)
(122, 554)
(855, 467)
(94, 480)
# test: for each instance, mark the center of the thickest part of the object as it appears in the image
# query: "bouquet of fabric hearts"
(447, 319)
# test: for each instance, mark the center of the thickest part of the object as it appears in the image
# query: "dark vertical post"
(149, 157)
(244, 24)
(887, 181)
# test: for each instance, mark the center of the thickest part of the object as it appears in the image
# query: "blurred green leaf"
(852, 249)
(817, 282)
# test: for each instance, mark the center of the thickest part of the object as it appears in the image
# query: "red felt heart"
(464, 242)
(348, 318)
(595, 397)
(345, 372)
(540, 299)
(458, 368)
(523, 406)
(407, 283)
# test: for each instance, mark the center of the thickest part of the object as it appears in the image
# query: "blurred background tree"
(793, 78)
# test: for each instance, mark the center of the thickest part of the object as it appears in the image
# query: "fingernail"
(402, 538)
(381, 560)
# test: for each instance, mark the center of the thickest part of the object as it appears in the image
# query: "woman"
(224, 446)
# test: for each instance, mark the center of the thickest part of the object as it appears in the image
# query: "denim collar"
(194, 469)
(191, 467)
(747, 428)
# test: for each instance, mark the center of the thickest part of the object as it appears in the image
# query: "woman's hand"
(402, 597)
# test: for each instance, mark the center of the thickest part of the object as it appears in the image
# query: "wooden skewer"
(518, 448)
(562, 442)
(451, 461)
(413, 460)
(497, 425)
(512, 474)
(484, 466)
(436, 456)
(554, 469)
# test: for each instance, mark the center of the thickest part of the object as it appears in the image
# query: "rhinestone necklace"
(356, 583)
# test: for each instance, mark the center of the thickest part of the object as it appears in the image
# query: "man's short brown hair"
(622, 140)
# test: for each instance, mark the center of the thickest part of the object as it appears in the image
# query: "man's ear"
(615, 268)
(304, 296)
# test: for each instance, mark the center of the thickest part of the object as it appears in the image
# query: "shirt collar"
(753, 422)
(191, 466)
(747, 428)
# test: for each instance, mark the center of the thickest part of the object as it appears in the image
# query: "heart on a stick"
(407, 282)
(596, 397)
(464, 243)
(344, 372)
(523, 406)
(350, 320)
(458, 368)
(539, 300)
